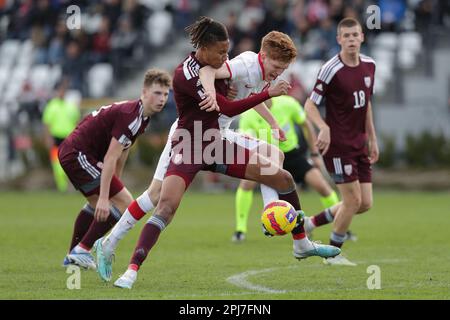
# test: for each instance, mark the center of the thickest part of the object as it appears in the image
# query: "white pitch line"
(240, 280)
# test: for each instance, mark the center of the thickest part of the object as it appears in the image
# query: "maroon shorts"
(228, 158)
(349, 169)
(84, 171)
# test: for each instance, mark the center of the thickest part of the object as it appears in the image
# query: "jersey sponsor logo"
(201, 94)
(348, 169)
(319, 87)
(367, 81)
(125, 141)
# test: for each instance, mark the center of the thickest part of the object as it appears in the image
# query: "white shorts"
(164, 158)
(240, 139)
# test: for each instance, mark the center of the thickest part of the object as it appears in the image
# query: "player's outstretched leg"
(282, 181)
(304, 248)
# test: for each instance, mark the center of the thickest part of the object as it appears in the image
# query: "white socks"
(127, 221)
(268, 194)
(303, 244)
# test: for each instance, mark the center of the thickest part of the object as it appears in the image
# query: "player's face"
(350, 39)
(272, 68)
(154, 97)
(216, 54)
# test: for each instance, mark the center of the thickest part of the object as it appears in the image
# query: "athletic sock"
(244, 199)
(322, 218)
(337, 239)
(81, 226)
(99, 229)
(330, 200)
(149, 235)
(268, 194)
(135, 211)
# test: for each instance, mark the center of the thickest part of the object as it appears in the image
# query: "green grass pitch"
(406, 234)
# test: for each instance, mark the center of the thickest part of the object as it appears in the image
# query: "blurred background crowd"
(104, 59)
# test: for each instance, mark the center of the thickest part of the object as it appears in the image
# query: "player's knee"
(154, 193)
(353, 202)
(365, 206)
(285, 181)
(166, 209)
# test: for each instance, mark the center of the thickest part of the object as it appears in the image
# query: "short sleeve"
(319, 90)
(189, 84)
(237, 68)
(126, 127)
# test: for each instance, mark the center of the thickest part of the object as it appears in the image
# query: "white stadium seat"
(100, 78)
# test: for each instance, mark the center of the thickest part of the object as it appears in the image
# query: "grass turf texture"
(405, 234)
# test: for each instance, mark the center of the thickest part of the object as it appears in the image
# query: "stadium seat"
(387, 40)
(73, 96)
(411, 41)
(159, 25)
(9, 51)
(39, 76)
(406, 58)
(100, 78)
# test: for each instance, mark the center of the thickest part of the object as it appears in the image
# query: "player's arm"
(370, 129)
(233, 108)
(265, 113)
(110, 161)
(121, 162)
(207, 76)
(323, 139)
(311, 138)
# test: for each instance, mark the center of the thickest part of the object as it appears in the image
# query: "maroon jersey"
(123, 121)
(189, 92)
(347, 92)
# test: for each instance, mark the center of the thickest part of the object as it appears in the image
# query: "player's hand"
(323, 139)
(232, 92)
(374, 153)
(282, 87)
(209, 103)
(278, 133)
(102, 210)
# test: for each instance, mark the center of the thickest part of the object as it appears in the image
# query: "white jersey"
(247, 76)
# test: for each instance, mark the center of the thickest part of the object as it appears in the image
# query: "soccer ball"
(278, 218)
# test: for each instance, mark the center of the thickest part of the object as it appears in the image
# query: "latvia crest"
(367, 81)
(348, 169)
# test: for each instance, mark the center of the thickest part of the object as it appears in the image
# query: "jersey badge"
(367, 81)
(348, 169)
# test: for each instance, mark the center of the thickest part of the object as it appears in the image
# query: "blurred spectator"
(40, 45)
(392, 12)
(137, 13)
(123, 42)
(185, 12)
(101, 46)
(74, 67)
(113, 10)
(56, 48)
